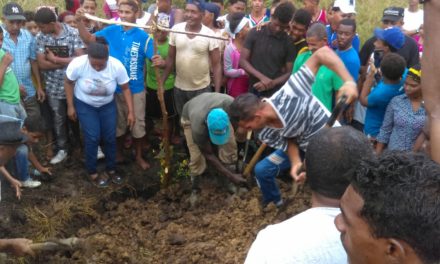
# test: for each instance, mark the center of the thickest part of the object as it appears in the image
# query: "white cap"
(346, 6)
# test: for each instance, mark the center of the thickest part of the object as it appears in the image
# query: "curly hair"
(401, 200)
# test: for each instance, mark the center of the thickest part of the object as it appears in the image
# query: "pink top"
(238, 80)
(110, 10)
(322, 17)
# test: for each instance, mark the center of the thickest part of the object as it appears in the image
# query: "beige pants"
(197, 164)
(139, 101)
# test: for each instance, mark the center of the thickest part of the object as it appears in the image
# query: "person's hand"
(297, 174)
(23, 92)
(50, 56)
(130, 120)
(79, 15)
(45, 170)
(158, 61)
(71, 113)
(259, 86)
(268, 83)
(350, 90)
(19, 247)
(41, 95)
(237, 178)
(16, 185)
(7, 59)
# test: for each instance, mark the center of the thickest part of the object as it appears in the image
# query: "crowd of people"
(83, 85)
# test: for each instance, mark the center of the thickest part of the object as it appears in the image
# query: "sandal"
(99, 181)
(115, 177)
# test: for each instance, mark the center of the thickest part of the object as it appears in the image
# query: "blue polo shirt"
(351, 61)
(378, 100)
(132, 48)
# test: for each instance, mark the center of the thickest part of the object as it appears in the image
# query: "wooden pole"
(165, 131)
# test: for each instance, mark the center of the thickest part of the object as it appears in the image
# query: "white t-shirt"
(307, 238)
(412, 20)
(92, 87)
(192, 58)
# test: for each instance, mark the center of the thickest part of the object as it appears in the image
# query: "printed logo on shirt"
(134, 55)
(95, 87)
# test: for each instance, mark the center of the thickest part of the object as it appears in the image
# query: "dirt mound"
(136, 223)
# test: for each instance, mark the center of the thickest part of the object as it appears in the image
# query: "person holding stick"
(289, 119)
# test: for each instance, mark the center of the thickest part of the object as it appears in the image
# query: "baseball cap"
(13, 11)
(218, 126)
(11, 131)
(199, 3)
(393, 36)
(393, 13)
(346, 6)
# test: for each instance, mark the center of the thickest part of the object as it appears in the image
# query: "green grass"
(368, 17)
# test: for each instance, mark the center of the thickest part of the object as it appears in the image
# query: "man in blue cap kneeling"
(207, 127)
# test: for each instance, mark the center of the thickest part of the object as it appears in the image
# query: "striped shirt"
(300, 113)
(55, 78)
(23, 52)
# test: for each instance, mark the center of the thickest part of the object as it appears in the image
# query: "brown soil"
(137, 222)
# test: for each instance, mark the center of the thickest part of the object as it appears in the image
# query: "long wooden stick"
(165, 130)
(153, 27)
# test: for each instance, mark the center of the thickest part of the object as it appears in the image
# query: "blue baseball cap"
(393, 36)
(199, 3)
(218, 126)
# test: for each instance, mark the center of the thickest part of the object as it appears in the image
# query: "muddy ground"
(138, 222)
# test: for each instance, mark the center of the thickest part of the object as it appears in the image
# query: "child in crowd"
(30, 24)
(376, 97)
(68, 18)
(153, 110)
(34, 129)
(238, 81)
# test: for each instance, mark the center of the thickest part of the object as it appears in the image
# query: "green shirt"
(300, 60)
(326, 83)
(9, 89)
(162, 50)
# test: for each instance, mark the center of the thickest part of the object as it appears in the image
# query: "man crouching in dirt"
(288, 119)
(10, 138)
(206, 124)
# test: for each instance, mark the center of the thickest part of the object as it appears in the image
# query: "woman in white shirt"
(90, 83)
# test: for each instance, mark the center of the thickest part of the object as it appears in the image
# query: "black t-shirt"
(269, 53)
(409, 51)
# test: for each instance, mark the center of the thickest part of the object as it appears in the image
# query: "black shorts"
(152, 109)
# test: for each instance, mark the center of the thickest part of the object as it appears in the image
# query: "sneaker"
(60, 156)
(100, 154)
(30, 184)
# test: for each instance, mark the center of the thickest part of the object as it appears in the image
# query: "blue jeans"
(265, 172)
(98, 123)
(22, 163)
